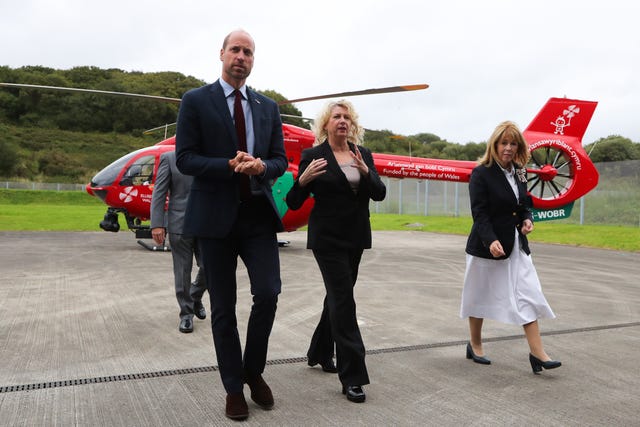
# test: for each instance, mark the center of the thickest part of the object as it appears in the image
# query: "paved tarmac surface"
(89, 337)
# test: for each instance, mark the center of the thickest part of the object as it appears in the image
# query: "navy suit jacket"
(340, 217)
(205, 141)
(496, 212)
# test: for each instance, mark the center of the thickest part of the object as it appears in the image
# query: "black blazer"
(496, 212)
(340, 217)
(205, 141)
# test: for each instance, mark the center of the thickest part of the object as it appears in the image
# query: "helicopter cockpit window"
(140, 172)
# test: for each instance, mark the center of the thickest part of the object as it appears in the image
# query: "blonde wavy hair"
(504, 130)
(356, 132)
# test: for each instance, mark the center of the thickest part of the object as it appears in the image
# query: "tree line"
(65, 137)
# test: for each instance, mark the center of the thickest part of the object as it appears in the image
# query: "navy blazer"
(339, 217)
(496, 212)
(205, 141)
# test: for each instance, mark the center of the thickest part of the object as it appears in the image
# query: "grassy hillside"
(51, 155)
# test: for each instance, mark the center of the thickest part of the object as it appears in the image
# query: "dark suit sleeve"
(160, 191)
(377, 189)
(298, 194)
(189, 158)
(480, 210)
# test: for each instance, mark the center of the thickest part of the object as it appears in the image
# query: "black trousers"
(199, 285)
(338, 322)
(253, 239)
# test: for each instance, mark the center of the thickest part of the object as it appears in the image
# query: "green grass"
(436, 224)
(47, 197)
(27, 210)
(38, 217)
(596, 236)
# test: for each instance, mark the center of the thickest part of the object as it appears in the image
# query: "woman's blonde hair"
(504, 130)
(356, 132)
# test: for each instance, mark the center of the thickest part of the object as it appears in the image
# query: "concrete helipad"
(89, 337)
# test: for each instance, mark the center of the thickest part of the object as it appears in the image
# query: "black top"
(496, 211)
(340, 217)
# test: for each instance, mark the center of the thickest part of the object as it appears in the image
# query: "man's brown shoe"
(237, 408)
(260, 392)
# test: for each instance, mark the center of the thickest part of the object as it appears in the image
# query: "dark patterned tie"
(238, 117)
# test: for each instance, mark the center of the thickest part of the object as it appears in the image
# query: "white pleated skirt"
(507, 290)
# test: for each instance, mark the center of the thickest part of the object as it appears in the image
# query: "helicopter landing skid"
(154, 248)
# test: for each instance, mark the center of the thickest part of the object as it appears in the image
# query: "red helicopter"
(559, 172)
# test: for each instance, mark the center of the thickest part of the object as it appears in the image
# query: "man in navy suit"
(229, 138)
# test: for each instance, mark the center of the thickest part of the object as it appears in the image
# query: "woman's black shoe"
(537, 364)
(354, 393)
(478, 359)
(327, 366)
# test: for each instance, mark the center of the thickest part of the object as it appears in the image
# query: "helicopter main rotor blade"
(165, 127)
(389, 89)
(359, 92)
(101, 92)
(292, 116)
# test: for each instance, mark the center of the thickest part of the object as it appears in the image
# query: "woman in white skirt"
(500, 281)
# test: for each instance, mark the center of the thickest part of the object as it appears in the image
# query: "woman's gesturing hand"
(359, 163)
(315, 168)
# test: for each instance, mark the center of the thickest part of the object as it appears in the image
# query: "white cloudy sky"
(485, 60)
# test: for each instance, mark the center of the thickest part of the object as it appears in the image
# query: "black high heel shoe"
(478, 359)
(537, 364)
(327, 365)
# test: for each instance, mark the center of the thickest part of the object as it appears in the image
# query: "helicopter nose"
(96, 191)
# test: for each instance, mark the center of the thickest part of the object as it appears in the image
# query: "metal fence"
(616, 199)
(13, 185)
(424, 197)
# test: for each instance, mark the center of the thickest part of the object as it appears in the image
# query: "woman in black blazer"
(500, 281)
(342, 178)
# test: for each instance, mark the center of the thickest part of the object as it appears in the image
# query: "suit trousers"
(253, 239)
(339, 269)
(182, 255)
(199, 285)
(322, 347)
